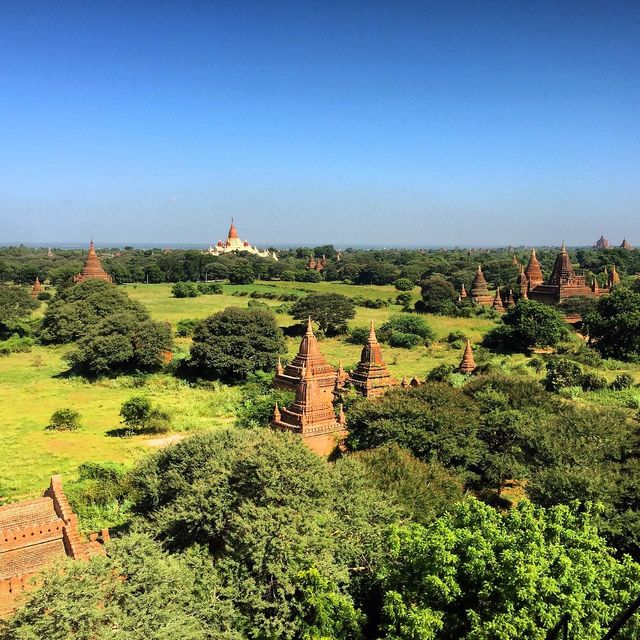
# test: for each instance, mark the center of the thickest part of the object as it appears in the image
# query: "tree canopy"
(15, 304)
(330, 311)
(235, 342)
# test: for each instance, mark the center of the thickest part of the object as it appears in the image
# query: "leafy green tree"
(139, 414)
(614, 327)
(403, 284)
(406, 330)
(122, 343)
(478, 575)
(433, 422)
(528, 324)
(235, 342)
(185, 290)
(15, 304)
(77, 309)
(241, 272)
(438, 295)
(330, 311)
(563, 373)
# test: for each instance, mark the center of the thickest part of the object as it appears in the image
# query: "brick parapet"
(11, 539)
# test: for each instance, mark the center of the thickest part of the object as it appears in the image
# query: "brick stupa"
(92, 269)
(36, 290)
(309, 357)
(614, 277)
(312, 416)
(467, 364)
(33, 534)
(523, 285)
(371, 376)
(479, 289)
(533, 270)
(497, 302)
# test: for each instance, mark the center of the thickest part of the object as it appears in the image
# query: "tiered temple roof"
(371, 376)
(626, 245)
(497, 302)
(34, 533)
(523, 285)
(602, 243)
(312, 416)
(310, 358)
(92, 269)
(479, 289)
(234, 243)
(533, 270)
(467, 364)
(614, 277)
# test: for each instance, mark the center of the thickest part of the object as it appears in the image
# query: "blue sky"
(470, 123)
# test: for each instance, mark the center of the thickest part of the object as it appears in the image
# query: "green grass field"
(32, 385)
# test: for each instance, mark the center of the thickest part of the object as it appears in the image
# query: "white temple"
(233, 243)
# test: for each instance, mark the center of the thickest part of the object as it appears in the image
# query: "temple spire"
(467, 364)
(497, 302)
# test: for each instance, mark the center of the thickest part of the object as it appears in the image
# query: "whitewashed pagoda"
(234, 243)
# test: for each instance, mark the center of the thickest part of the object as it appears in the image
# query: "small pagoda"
(626, 245)
(37, 289)
(479, 289)
(523, 284)
(497, 302)
(312, 416)
(371, 376)
(533, 271)
(614, 277)
(467, 364)
(308, 358)
(92, 269)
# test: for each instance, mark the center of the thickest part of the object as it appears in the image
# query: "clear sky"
(431, 123)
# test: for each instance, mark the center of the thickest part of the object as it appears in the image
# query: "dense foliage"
(236, 342)
(330, 311)
(15, 304)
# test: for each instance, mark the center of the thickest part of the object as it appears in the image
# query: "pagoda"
(511, 301)
(308, 358)
(371, 376)
(36, 290)
(601, 243)
(234, 243)
(463, 292)
(523, 284)
(533, 271)
(564, 283)
(480, 290)
(614, 277)
(467, 364)
(312, 416)
(626, 245)
(92, 269)
(33, 534)
(497, 302)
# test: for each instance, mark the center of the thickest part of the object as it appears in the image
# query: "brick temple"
(92, 269)
(35, 533)
(308, 358)
(480, 290)
(312, 416)
(371, 376)
(37, 288)
(467, 364)
(563, 283)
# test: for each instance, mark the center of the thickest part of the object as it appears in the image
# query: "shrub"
(404, 299)
(456, 336)
(358, 335)
(407, 324)
(623, 381)
(210, 288)
(403, 340)
(258, 304)
(185, 290)
(64, 420)
(441, 373)
(16, 344)
(403, 284)
(141, 416)
(562, 373)
(593, 382)
(185, 327)
(438, 295)
(44, 296)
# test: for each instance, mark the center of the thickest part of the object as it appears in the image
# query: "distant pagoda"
(601, 243)
(479, 289)
(234, 243)
(371, 376)
(523, 284)
(92, 269)
(533, 271)
(626, 245)
(309, 358)
(312, 416)
(467, 364)
(36, 290)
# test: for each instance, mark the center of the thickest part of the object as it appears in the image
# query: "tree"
(404, 284)
(77, 309)
(121, 343)
(241, 272)
(185, 290)
(438, 295)
(15, 304)
(236, 342)
(139, 414)
(406, 330)
(433, 422)
(330, 310)
(614, 327)
(528, 324)
(478, 575)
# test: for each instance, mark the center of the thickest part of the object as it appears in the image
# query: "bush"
(593, 382)
(438, 295)
(441, 373)
(185, 327)
(44, 296)
(139, 415)
(456, 336)
(258, 304)
(403, 340)
(358, 335)
(406, 330)
(404, 299)
(16, 344)
(210, 288)
(64, 420)
(185, 290)
(403, 284)
(622, 382)
(562, 373)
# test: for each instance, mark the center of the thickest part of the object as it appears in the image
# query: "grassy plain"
(33, 385)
